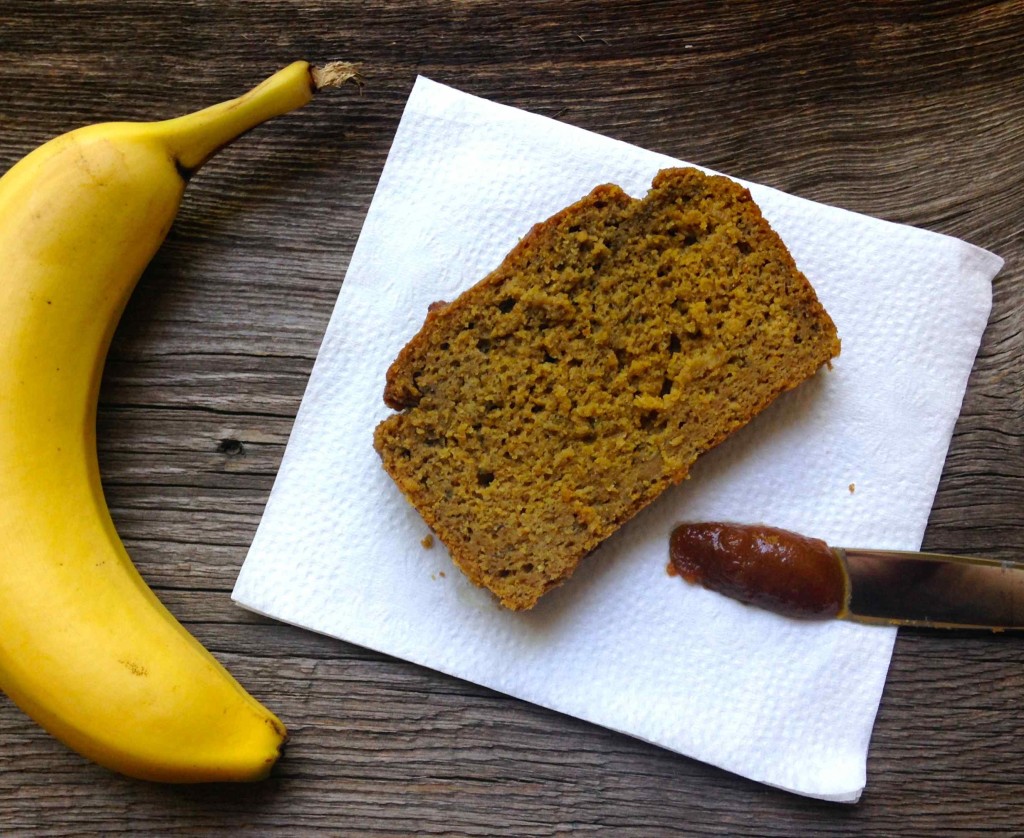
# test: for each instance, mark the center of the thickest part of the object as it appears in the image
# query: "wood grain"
(910, 111)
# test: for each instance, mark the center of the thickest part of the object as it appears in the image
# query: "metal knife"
(932, 589)
(805, 578)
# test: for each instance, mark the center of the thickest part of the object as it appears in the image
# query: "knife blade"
(805, 578)
(935, 590)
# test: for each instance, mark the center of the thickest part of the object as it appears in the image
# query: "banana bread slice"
(616, 343)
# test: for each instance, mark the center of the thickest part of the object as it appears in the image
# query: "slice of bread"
(616, 343)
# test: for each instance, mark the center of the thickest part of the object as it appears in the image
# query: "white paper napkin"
(852, 456)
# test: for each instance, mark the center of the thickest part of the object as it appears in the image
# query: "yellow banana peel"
(86, 648)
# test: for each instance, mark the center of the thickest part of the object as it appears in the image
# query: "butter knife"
(805, 578)
(932, 589)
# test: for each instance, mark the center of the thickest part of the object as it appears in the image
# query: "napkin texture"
(852, 456)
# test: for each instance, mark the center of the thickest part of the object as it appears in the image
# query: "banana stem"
(194, 138)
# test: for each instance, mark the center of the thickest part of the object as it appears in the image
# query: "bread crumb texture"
(616, 343)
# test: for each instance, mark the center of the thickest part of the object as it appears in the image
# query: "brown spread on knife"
(771, 568)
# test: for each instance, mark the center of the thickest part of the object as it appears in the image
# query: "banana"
(86, 648)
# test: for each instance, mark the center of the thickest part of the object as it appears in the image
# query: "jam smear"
(768, 567)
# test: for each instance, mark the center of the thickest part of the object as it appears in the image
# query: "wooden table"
(909, 111)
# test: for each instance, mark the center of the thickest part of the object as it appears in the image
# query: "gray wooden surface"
(910, 111)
